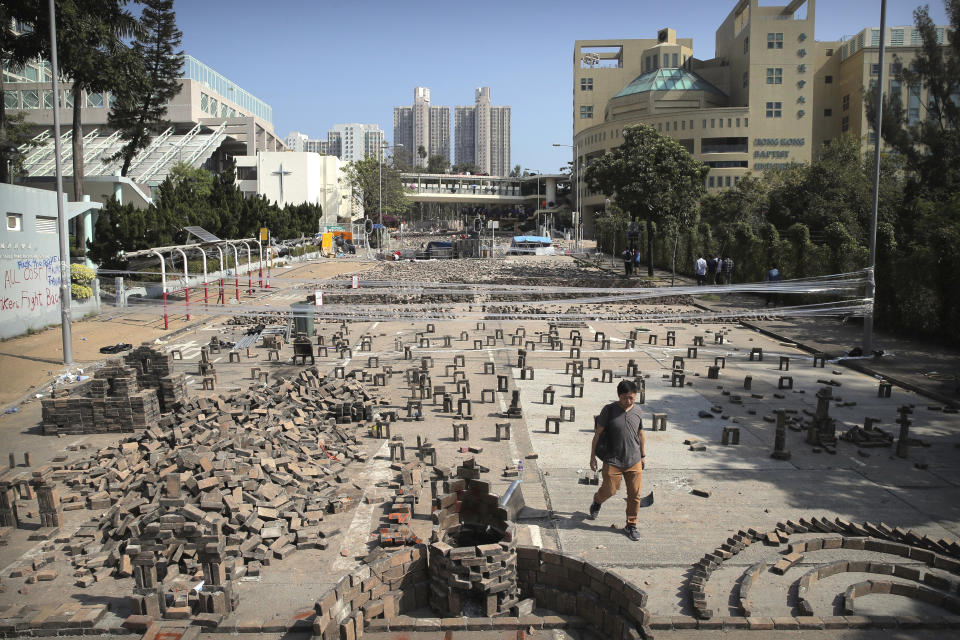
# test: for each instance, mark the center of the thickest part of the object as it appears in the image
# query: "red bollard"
(236, 282)
(186, 293)
(166, 319)
(261, 277)
(205, 294)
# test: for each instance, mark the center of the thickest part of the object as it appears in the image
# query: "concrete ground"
(747, 487)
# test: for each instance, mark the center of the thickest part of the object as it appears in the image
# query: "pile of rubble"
(532, 273)
(256, 470)
(123, 396)
(259, 318)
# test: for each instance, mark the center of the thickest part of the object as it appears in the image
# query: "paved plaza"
(838, 540)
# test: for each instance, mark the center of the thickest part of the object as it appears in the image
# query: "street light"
(576, 169)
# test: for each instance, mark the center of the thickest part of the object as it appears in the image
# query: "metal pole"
(65, 328)
(380, 197)
(186, 282)
(163, 284)
(222, 296)
(203, 252)
(871, 277)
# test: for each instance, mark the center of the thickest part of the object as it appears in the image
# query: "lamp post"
(871, 278)
(576, 193)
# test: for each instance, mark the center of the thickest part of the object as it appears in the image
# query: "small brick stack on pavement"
(473, 558)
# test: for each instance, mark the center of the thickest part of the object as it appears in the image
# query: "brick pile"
(123, 396)
(473, 559)
(155, 371)
(260, 468)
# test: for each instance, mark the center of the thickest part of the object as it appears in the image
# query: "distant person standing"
(700, 268)
(627, 262)
(728, 270)
(718, 276)
(773, 277)
(712, 267)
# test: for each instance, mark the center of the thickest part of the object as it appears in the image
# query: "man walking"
(618, 441)
(700, 268)
(627, 256)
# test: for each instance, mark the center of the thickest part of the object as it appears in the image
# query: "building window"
(586, 84)
(774, 75)
(774, 41)
(94, 100)
(675, 61)
(913, 105)
(738, 123)
(46, 224)
(14, 222)
(30, 98)
(711, 181)
(746, 122)
(668, 127)
(874, 69)
(704, 123)
(675, 128)
(774, 109)
(827, 113)
(828, 79)
(895, 69)
(683, 125)
(895, 89)
(726, 181)
(828, 53)
(48, 99)
(586, 112)
(712, 123)
(846, 102)
(746, 45)
(691, 124)
(11, 99)
(845, 124)
(659, 126)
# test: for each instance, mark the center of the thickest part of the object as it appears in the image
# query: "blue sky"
(319, 63)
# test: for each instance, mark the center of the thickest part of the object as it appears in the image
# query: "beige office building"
(769, 98)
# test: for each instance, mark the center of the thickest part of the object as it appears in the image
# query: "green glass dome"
(668, 79)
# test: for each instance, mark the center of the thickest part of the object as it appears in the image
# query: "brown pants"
(611, 482)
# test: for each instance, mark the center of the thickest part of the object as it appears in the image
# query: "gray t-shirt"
(620, 443)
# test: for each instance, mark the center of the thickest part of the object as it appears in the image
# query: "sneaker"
(594, 511)
(632, 532)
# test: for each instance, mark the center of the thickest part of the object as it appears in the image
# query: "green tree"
(931, 143)
(364, 178)
(650, 176)
(437, 164)
(516, 171)
(90, 35)
(16, 48)
(467, 167)
(153, 66)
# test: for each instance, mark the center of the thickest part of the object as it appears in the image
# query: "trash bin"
(302, 313)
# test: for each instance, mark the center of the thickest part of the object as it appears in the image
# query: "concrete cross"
(281, 173)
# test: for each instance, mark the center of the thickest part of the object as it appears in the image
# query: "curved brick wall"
(376, 596)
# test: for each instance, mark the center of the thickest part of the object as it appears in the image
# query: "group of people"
(713, 270)
(631, 261)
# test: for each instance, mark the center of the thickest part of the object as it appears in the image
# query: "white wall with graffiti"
(30, 260)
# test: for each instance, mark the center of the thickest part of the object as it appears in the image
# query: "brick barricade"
(123, 396)
(376, 596)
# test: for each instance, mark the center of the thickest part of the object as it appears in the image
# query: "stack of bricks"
(264, 465)
(473, 560)
(112, 402)
(48, 499)
(8, 504)
(154, 370)
(383, 588)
